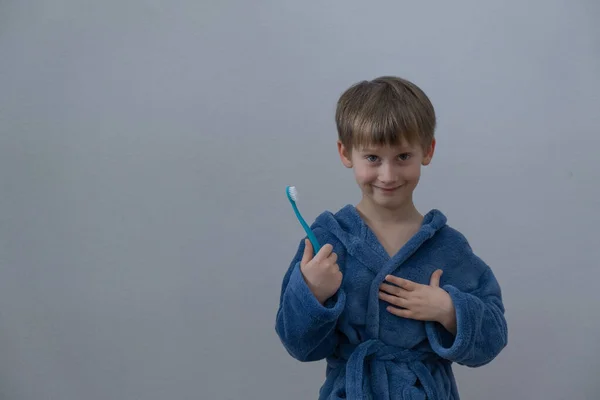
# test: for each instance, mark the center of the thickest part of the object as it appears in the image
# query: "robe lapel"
(425, 232)
(362, 244)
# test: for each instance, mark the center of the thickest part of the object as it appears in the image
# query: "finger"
(308, 252)
(435, 278)
(400, 312)
(397, 301)
(324, 252)
(394, 290)
(400, 282)
(333, 258)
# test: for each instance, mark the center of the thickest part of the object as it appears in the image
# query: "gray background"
(144, 151)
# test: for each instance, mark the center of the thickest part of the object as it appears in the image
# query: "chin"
(398, 199)
(387, 202)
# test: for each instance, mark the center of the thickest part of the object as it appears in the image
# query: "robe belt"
(377, 350)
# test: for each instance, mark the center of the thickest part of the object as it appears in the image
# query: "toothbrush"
(292, 195)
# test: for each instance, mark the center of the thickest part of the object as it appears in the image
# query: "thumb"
(308, 253)
(435, 278)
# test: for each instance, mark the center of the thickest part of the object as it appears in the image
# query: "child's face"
(387, 175)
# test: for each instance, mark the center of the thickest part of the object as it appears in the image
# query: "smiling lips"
(388, 190)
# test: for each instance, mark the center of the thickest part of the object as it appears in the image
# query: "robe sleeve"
(481, 329)
(307, 328)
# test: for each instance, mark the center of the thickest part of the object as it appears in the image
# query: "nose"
(386, 173)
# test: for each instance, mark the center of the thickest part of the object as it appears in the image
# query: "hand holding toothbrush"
(321, 272)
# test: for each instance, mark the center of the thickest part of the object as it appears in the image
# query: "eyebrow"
(400, 149)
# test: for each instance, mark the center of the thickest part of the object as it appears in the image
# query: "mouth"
(388, 190)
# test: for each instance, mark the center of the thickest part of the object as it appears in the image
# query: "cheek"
(364, 175)
(413, 173)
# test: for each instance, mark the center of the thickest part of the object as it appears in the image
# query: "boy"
(393, 297)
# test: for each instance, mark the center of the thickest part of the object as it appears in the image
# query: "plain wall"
(145, 147)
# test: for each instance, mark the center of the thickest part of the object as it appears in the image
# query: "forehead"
(396, 148)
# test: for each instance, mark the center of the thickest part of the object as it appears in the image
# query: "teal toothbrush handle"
(309, 232)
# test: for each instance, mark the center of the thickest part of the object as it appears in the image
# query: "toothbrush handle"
(311, 236)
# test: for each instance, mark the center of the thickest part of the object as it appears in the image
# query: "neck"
(406, 213)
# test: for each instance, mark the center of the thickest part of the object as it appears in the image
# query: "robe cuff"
(333, 306)
(445, 344)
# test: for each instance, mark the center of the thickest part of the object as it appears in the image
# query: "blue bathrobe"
(371, 353)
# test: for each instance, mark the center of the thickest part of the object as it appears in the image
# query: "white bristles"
(293, 193)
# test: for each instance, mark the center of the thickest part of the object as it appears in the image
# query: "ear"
(429, 153)
(345, 156)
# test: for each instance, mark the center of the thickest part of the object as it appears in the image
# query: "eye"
(371, 158)
(404, 156)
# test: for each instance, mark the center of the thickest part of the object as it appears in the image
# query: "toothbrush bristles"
(293, 193)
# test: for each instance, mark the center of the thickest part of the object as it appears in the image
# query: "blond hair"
(384, 111)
